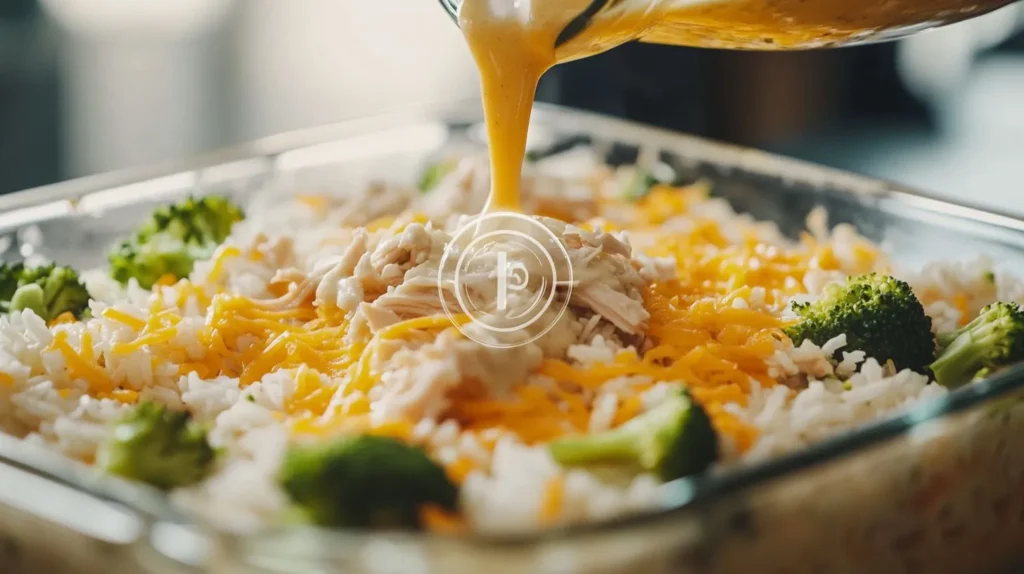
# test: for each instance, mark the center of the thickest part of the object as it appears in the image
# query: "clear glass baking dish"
(935, 489)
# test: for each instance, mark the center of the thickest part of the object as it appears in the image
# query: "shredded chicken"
(608, 280)
(466, 187)
(566, 199)
(287, 276)
(415, 382)
(296, 295)
(275, 253)
(302, 287)
(377, 318)
(395, 274)
(417, 296)
(408, 248)
(378, 200)
(334, 287)
(621, 310)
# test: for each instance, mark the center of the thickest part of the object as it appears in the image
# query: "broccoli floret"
(879, 315)
(173, 239)
(673, 440)
(365, 482)
(640, 184)
(10, 273)
(153, 444)
(204, 220)
(433, 174)
(994, 339)
(49, 290)
(149, 261)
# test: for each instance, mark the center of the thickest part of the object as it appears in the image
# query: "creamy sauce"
(513, 48)
(801, 23)
(511, 55)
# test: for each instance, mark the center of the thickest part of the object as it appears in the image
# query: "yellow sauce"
(801, 23)
(513, 49)
(511, 56)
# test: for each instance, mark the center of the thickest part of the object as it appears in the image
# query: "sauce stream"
(511, 54)
(511, 57)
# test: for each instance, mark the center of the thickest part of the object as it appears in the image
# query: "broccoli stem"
(979, 327)
(30, 297)
(965, 355)
(673, 439)
(617, 445)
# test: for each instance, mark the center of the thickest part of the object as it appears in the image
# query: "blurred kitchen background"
(94, 85)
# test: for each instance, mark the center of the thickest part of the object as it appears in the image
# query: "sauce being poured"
(512, 51)
(515, 41)
(511, 57)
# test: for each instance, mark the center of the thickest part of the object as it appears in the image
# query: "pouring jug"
(740, 24)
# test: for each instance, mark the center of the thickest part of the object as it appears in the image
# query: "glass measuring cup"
(749, 24)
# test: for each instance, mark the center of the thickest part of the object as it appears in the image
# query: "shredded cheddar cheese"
(398, 429)
(380, 223)
(126, 396)
(362, 379)
(81, 365)
(124, 318)
(962, 304)
(220, 259)
(714, 349)
(440, 521)
(311, 394)
(62, 319)
(553, 500)
(317, 203)
(460, 469)
(628, 409)
(398, 330)
(166, 280)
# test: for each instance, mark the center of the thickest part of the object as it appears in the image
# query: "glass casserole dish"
(932, 489)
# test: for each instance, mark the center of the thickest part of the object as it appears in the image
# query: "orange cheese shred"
(554, 498)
